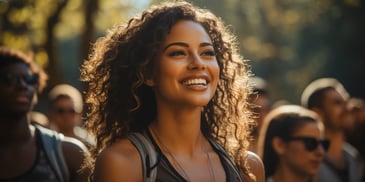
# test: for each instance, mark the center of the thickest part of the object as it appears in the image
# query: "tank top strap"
(232, 170)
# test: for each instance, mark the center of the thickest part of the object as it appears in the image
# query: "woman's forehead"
(187, 30)
(308, 129)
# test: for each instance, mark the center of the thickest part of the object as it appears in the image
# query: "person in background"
(328, 98)
(31, 152)
(65, 113)
(292, 144)
(260, 106)
(174, 76)
(39, 118)
(356, 135)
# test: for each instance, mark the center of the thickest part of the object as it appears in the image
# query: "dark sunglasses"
(13, 79)
(64, 111)
(311, 143)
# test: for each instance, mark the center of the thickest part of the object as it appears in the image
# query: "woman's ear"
(278, 145)
(148, 78)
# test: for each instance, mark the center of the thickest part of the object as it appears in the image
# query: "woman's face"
(297, 157)
(187, 71)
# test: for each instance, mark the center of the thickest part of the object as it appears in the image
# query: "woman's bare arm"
(257, 166)
(120, 162)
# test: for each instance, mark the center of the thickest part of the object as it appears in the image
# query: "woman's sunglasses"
(13, 79)
(62, 111)
(311, 143)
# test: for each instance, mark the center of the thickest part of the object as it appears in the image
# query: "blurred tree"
(291, 43)
(288, 42)
(59, 32)
(29, 26)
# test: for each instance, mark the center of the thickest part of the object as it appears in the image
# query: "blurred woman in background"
(291, 144)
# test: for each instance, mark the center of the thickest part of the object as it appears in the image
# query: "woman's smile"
(187, 70)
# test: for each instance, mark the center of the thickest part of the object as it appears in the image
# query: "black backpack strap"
(52, 146)
(148, 155)
(226, 157)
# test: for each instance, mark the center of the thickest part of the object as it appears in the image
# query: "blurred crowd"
(321, 139)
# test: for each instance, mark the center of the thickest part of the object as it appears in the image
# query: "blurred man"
(31, 152)
(327, 97)
(356, 136)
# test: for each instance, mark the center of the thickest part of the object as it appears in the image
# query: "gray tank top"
(166, 172)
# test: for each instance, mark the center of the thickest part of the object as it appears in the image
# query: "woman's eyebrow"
(186, 45)
(176, 43)
(206, 44)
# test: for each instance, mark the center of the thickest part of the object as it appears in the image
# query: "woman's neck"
(287, 175)
(179, 131)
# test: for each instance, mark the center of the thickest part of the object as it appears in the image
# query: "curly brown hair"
(119, 102)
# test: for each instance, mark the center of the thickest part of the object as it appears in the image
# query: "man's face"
(334, 112)
(17, 89)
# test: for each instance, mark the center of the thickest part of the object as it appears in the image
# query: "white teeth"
(196, 81)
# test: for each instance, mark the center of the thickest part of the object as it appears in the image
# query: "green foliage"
(291, 43)
(288, 42)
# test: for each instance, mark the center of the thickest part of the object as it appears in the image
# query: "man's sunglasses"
(13, 79)
(311, 143)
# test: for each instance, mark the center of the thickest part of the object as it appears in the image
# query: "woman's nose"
(320, 150)
(196, 62)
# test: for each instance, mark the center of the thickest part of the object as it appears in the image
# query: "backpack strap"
(148, 155)
(226, 157)
(52, 146)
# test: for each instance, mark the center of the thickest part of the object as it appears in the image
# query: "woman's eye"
(208, 53)
(176, 53)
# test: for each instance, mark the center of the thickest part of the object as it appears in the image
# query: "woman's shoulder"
(256, 165)
(119, 162)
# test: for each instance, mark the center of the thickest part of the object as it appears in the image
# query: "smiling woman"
(187, 70)
(174, 76)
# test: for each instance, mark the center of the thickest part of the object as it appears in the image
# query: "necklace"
(177, 164)
(211, 170)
